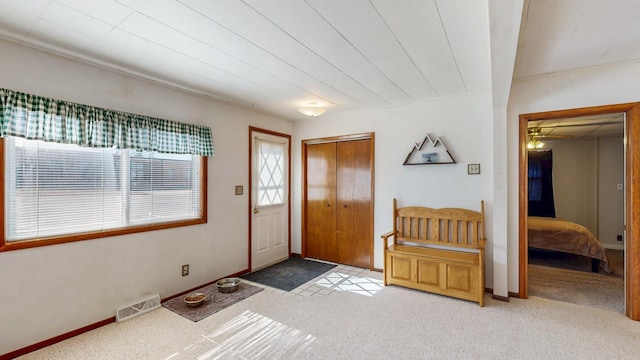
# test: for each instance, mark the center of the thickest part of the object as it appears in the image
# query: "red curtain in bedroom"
(541, 184)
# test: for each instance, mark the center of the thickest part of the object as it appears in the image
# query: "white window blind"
(56, 189)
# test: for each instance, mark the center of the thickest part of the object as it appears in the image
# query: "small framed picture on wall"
(473, 169)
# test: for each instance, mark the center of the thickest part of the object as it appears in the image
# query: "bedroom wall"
(585, 175)
(604, 85)
(575, 181)
(463, 123)
(48, 291)
(610, 197)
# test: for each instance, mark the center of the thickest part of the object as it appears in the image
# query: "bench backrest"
(445, 227)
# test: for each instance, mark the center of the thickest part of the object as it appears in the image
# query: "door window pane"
(271, 174)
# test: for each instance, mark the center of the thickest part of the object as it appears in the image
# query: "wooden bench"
(437, 250)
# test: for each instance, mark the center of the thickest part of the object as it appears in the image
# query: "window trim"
(62, 239)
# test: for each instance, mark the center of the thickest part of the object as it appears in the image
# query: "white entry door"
(270, 199)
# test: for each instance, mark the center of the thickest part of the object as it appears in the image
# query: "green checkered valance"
(39, 118)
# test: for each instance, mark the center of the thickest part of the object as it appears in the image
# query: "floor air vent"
(138, 308)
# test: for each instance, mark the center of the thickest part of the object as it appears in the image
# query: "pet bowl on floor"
(195, 299)
(228, 285)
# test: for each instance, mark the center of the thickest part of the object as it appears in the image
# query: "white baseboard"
(613, 246)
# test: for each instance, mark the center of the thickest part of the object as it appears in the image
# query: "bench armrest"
(385, 238)
(387, 235)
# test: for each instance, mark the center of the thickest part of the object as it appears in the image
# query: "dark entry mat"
(289, 274)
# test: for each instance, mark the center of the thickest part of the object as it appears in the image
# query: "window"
(540, 176)
(535, 181)
(60, 192)
(271, 185)
(75, 172)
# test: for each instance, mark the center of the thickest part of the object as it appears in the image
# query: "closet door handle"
(328, 205)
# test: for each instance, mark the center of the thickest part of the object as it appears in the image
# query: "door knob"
(255, 211)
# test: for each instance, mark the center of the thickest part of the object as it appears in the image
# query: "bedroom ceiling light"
(535, 144)
(312, 109)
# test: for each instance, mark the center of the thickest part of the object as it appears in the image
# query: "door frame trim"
(335, 139)
(253, 129)
(632, 195)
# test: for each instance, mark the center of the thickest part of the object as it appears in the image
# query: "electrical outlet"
(185, 270)
(619, 238)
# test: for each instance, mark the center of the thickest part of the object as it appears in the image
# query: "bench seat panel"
(423, 255)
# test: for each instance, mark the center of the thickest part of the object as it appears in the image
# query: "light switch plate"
(473, 169)
(239, 190)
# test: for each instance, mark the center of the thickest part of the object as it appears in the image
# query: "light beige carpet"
(569, 278)
(395, 323)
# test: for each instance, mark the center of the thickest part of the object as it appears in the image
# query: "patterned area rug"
(215, 302)
(289, 274)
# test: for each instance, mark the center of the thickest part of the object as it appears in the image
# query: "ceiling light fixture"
(312, 109)
(534, 142)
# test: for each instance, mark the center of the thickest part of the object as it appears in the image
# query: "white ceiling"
(274, 55)
(568, 35)
(581, 128)
(565, 35)
(277, 55)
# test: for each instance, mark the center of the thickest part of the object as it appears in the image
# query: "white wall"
(575, 181)
(48, 291)
(613, 84)
(585, 178)
(610, 198)
(462, 123)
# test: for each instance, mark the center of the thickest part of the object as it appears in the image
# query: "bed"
(566, 236)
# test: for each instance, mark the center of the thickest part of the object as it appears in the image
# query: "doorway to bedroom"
(573, 199)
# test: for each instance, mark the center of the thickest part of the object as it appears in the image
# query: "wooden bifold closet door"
(339, 206)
